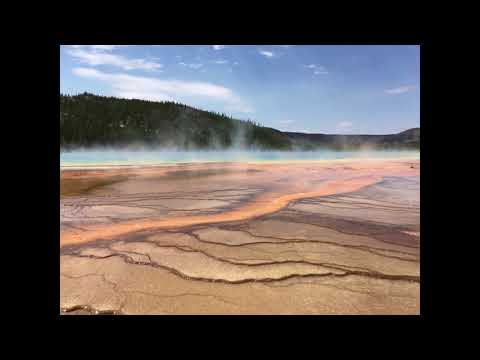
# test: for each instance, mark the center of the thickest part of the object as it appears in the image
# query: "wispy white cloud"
(96, 47)
(93, 57)
(220, 62)
(218, 47)
(268, 54)
(344, 125)
(148, 88)
(192, 66)
(317, 69)
(400, 89)
(286, 125)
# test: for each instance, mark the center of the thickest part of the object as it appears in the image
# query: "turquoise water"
(86, 158)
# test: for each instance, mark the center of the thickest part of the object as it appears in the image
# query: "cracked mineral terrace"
(325, 237)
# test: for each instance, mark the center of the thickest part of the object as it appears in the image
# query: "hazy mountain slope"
(88, 120)
(406, 139)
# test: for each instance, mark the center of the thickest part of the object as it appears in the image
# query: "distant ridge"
(88, 120)
(406, 139)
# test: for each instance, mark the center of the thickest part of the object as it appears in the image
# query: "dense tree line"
(91, 120)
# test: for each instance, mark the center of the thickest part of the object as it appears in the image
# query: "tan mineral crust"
(316, 237)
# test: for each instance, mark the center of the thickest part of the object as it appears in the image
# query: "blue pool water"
(81, 158)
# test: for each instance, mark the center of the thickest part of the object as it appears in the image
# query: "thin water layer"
(90, 158)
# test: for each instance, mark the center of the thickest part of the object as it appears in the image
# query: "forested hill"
(89, 120)
(408, 139)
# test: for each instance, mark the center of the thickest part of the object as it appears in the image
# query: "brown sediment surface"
(262, 205)
(83, 184)
(337, 237)
(298, 181)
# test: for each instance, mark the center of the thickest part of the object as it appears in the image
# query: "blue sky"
(309, 88)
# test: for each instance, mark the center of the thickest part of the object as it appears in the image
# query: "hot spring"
(101, 158)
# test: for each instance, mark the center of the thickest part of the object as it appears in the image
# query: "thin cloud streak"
(192, 66)
(286, 122)
(344, 125)
(97, 58)
(400, 90)
(268, 54)
(96, 47)
(317, 69)
(147, 88)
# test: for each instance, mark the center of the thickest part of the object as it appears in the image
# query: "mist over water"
(99, 157)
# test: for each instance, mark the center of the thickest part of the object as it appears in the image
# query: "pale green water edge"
(114, 158)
